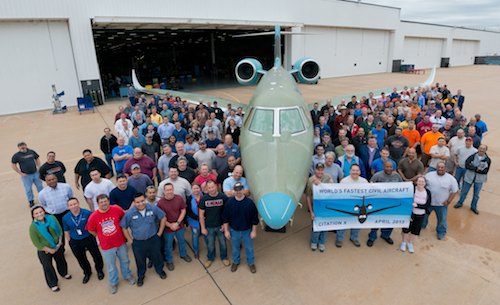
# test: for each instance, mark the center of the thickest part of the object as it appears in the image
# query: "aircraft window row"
(262, 121)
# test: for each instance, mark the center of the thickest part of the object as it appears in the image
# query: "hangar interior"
(175, 56)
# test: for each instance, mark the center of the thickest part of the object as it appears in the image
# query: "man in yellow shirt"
(155, 116)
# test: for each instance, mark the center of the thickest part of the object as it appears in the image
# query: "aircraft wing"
(192, 98)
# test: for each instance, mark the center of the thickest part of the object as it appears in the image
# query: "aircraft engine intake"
(308, 71)
(247, 71)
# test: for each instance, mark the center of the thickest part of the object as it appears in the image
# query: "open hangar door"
(463, 52)
(35, 55)
(422, 52)
(182, 57)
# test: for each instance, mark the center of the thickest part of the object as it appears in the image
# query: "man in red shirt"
(175, 209)
(105, 224)
(425, 125)
(204, 176)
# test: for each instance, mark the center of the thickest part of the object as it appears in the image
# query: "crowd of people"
(179, 167)
(414, 135)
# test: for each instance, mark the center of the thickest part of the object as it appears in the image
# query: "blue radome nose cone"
(276, 209)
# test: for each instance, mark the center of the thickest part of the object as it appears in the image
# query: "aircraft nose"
(276, 209)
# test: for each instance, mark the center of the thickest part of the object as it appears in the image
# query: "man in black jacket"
(108, 142)
(477, 168)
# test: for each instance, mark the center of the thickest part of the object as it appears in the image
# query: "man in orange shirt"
(428, 140)
(415, 110)
(412, 135)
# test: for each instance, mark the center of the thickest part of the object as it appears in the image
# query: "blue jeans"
(442, 223)
(354, 234)
(168, 240)
(386, 233)
(28, 182)
(195, 240)
(318, 238)
(236, 238)
(465, 191)
(109, 160)
(212, 233)
(459, 174)
(110, 260)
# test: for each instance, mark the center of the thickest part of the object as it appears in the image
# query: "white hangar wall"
(357, 38)
(35, 55)
(347, 51)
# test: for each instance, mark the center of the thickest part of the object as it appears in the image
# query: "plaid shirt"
(55, 200)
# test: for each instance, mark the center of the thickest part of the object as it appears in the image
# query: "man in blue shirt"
(80, 240)
(146, 223)
(231, 148)
(179, 132)
(379, 133)
(378, 164)
(237, 177)
(323, 127)
(240, 224)
(121, 154)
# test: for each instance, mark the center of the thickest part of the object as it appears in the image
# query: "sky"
(483, 14)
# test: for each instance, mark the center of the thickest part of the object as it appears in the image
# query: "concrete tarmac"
(463, 269)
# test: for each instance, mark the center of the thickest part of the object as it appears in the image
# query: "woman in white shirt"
(421, 201)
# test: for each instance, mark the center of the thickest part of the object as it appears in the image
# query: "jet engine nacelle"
(307, 70)
(248, 71)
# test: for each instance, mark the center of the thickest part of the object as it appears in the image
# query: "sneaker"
(170, 266)
(163, 275)
(369, 243)
(403, 247)
(68, 276)
(252, 268)
(131, 280)
(225, 262)
(55, 289)
(321, 248)
(338, 243)
(207, 264)
(410, 248)
(234, 267)
(113, 289)
(356, 242)
(314, 247)
(187, 258)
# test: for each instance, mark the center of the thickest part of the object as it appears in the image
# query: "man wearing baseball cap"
(240, 225)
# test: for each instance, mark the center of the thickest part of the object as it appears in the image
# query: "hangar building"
(84, 46)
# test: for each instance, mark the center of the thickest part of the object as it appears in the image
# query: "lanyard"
(79, 220)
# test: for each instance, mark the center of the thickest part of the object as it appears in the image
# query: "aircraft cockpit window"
(291, 121)
(262, 121)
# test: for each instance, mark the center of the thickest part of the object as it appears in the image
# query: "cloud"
(477, 14)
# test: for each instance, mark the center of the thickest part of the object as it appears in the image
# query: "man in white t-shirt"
(443, 188)
(97, 187)
(438, 153)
